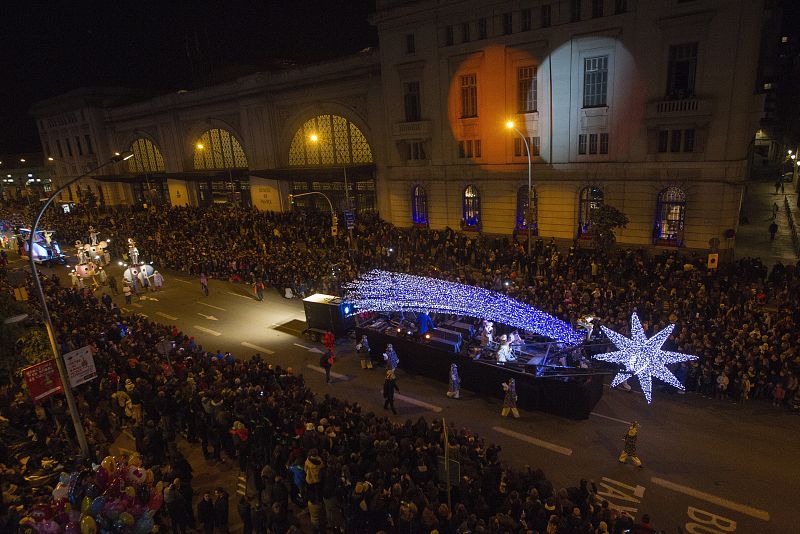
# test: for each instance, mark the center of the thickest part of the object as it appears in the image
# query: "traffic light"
(335, 221)
(291, 200)
(334, 231)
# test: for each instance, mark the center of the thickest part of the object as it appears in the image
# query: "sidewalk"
(752, 239)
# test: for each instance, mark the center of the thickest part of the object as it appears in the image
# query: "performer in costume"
(391, 358)
(504, 352)
(362, 347)
(455, 383)
(629, 451)
(487, 332)
(510, 399)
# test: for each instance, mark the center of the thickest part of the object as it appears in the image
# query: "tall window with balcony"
(469, 95)
(482, 30)
(526, 89)
(546, 15)
(597, 8)
(523, 214)
(448, 35)
(411, 101)
(670, 215)
(681, 71)
(525, 20)
(534, 145)
(471, 208)
(595, 81)
(575, 10)
(465, 36)
(508, 23)
(590, 200)
(419, 205)
(410, 44)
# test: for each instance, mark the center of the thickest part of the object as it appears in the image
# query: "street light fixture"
(511, 126)
(314, 138)
(62, 370)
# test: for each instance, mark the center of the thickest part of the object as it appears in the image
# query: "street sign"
(455, 470)
(42, 380)
(164, 346)
(80, 366)
(350, 219)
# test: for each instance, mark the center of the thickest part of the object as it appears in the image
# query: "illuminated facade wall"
(632, 97)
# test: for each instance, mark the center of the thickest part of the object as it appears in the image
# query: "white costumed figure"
(454, 388)
(93, 235)
(587, 323)
(504, 352)
(487, 333)
(391, 358)
(133, 252)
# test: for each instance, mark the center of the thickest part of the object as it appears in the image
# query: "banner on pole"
(80, 366)
(42, 380)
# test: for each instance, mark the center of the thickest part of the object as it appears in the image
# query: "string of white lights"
(385, 291)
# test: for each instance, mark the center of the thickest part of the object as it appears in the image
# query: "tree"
(20, 345)
(604, 220)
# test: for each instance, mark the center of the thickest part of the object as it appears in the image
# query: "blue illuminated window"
(472, 208)
(419, 205)
(670, 215)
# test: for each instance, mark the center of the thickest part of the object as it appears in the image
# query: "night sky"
(50, 47)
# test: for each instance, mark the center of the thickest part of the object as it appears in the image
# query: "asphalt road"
(709, 466)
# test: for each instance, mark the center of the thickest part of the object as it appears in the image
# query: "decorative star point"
(642, 357)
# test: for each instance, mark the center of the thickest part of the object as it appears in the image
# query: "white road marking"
(137, 305)
(534, 441)
(143, 315)
(713, 499)
(273, 325)
(256, 347)
(179, 280)
(423, 404)
(240, 295)
(611, 418)
(211, 306)
(166, 316)
(319, 369)
(126, 310)
(208, 330)
(309, 349)
(209, 317)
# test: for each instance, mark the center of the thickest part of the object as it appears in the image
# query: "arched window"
(329, 140)
(670, 214)
(591, 199)
(522, 210)
(419, 205)
(146, 157)
(472, 207)
(221, 150)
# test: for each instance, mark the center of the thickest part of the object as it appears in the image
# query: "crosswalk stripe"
(534, 441)
(319, 369)
(713, 499)
(422, 404)
(208, 330)
(257, 347)
(211, 306)
(166, 316)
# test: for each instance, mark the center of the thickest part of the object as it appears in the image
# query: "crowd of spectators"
(353, 470)
(740, 319)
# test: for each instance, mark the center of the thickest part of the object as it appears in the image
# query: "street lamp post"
(314, 138)
(510, 125)
(62, 370)
(334, 220)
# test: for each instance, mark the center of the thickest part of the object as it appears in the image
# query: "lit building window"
(595, 81)
(419, 205)
(591, 199)
(472, 207)
(221, 150)
(146, 157)
(670, 215)
(339, 142)
(522, 210)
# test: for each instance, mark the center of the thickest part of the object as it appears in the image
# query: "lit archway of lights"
(384, 291)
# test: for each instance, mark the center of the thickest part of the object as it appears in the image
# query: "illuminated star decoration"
(385, 291)
(643, 357)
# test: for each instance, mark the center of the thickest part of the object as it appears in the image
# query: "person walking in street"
(510, 399)
(158, 280)
(629, 451)
(455, 383)
(258, 290)
(326, 362)
(221, 510)
(362, 348)
(389, 387)
(774, 210)
(205, 513)
(204, 283)
(773, 229)
(126, 290)
(391, 358)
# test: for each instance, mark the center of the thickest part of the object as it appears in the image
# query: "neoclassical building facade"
(646, 105)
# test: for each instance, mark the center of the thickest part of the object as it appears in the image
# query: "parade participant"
(258, 290)
(487, 333)
(504, 352)
(158, 280)
(510, 399)
(389, 387)
(629, 451)
(329, 340)
(326, 362)
(204, 283)
(391, 358)
(362, 348)
(455, 383)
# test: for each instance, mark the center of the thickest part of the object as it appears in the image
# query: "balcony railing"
(680, 107)
(412, 130)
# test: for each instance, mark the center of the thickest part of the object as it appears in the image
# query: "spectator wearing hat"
(389, 387)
